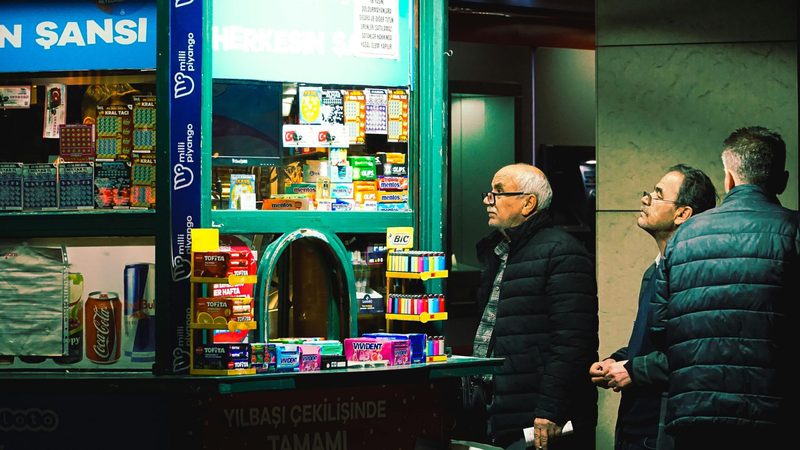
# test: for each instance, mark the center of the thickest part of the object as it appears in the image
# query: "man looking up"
(638, 370)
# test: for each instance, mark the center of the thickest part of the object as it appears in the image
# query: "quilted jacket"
(546, 329)
(725, 302)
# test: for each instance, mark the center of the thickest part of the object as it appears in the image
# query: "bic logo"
(400, 237)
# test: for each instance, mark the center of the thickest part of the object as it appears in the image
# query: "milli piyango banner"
(186, 48)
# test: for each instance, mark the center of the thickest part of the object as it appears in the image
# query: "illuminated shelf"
(230, 326)
(232, 279)
(424, 317)
(245, 222)
(222, 372)
(418, 275)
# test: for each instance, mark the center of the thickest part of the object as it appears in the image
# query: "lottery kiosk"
(302, 132)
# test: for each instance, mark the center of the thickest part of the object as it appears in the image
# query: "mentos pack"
(374, 351)
(416, 343)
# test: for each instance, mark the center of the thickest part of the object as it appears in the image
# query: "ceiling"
(531, 23)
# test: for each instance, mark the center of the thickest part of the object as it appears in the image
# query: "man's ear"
(683, 215)
(530, 205)
(729, 182)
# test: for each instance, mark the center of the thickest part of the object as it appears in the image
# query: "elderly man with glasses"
(639, 370)
(539, 294)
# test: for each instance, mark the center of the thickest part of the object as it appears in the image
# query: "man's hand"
(598, 372)
(543, 431)
(617, 376)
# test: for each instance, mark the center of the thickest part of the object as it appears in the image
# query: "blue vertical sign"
(186, 28)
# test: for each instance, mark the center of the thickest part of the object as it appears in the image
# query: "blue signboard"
(186, 28)
(55, 35)
(361, 42)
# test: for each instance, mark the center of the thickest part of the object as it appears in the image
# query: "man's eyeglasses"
(651, 199)
(492, 196)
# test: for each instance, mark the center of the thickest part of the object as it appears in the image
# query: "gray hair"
(535, 182)
(756, 155)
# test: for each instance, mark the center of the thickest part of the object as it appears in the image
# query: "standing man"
(638, 370)
(538, 285)
(725, 305)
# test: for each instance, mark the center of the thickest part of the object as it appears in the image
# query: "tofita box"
(222, 356)
(219, 264)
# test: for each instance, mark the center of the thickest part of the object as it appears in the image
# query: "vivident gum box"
(287, 357)
(341, 190)
(310, 359)
(372, 351)
(416, 342)
(341, 174)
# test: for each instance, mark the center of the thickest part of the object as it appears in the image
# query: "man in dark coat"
(724, 306)
(538, 284)
(638, 370)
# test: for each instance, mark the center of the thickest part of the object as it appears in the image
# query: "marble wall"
(674, 78)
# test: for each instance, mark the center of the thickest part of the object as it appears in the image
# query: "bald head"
(518, 192)
(530, 179)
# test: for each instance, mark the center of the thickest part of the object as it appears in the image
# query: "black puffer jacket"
(726, 298)
(546, 329)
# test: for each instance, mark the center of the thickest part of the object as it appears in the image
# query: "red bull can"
(139, 300)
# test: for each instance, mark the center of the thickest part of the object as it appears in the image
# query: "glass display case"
(313, 123)
(78, 110)
(297, 147)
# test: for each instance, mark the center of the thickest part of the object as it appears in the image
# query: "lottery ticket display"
(144, 124)
(76, 185)
(10, 186)
(355, 115)
(107, 161)
(398, 116)
(112, 184)
(377, 118)
(76, 142)
(39, 186)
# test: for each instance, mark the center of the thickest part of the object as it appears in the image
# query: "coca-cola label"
(104, 346)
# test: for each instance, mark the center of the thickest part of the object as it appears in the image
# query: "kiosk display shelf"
(210, 313)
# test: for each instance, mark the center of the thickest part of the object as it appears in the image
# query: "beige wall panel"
(624, 252)
(660, 105)
(633, 22)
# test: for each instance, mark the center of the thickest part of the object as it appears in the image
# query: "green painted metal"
(232, 221)
(161, 221)
(24, 224)
(269, 261)
(205, 120)
(432, 126)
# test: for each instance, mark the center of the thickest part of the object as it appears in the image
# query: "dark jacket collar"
(750, 191)
(518, 235)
